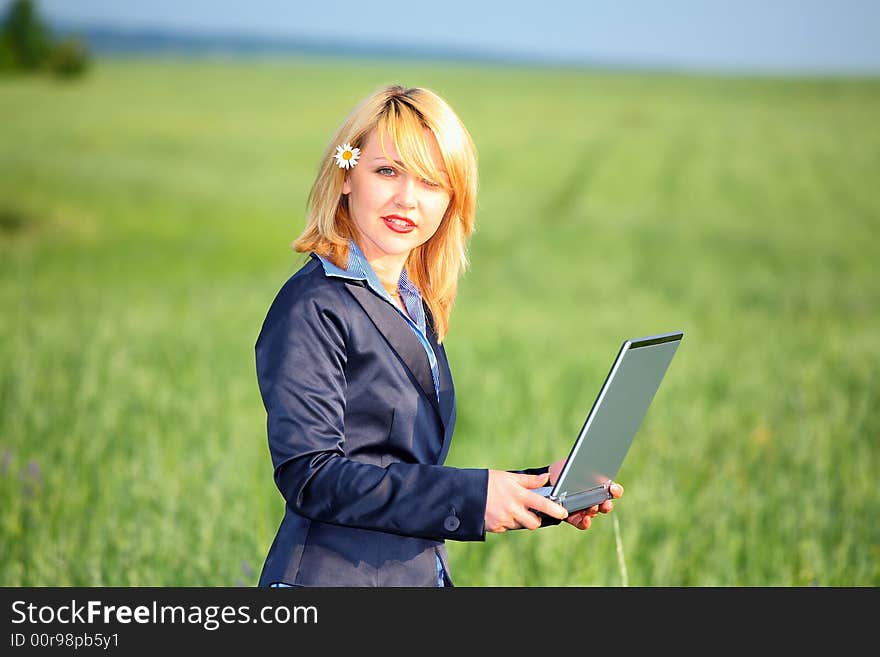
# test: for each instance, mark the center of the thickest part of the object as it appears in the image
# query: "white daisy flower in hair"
(346, 156)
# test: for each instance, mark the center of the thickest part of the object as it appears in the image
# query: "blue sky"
(805, 36)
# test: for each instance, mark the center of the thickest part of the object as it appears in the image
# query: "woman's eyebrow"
(387, 160)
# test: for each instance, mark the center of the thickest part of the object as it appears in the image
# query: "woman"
(353, 373)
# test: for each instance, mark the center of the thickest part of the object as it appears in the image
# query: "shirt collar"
(360, 269)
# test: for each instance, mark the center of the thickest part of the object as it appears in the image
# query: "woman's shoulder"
(308, 304)
(309, 286)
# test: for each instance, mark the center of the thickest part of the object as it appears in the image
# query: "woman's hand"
(510, 501)
(583, 519)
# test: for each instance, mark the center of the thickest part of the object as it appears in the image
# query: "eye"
(430, 183)
(385, 171)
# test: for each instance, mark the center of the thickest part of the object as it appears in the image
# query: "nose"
(405, 194)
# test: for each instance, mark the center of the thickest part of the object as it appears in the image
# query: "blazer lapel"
(400, 336)
(447, 388)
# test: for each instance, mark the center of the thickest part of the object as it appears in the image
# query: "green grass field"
(146, 213)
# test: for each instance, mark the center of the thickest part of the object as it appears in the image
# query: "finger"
(585, 522)
(534, 481)
(555, 469)
(548, 507)
(616, 490)
(606, 506)
(575, 518)
(528, 520)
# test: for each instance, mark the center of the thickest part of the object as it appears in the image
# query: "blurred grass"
(145, 218)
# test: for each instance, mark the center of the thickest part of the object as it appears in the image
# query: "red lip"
(397, 216)
(407, 227)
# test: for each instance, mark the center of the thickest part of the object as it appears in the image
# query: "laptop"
(612, 423)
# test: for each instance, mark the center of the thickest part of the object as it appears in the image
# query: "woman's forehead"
(373, 147)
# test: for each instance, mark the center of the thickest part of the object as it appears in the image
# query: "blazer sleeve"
(301, 360)
(531, 471)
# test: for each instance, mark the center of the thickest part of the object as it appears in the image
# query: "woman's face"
(393, 210)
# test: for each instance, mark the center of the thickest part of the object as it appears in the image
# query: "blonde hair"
(435, 266)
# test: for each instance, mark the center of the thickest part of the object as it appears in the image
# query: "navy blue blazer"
(358, 440)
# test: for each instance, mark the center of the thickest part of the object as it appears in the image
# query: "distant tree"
(27, 44)
(5, 55)
(25, 39)
(68, 58)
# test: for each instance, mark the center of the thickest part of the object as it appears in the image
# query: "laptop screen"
(617, 413)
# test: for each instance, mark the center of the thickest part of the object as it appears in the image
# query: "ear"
(346, 185)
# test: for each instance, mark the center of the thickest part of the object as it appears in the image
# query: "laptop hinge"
(577, 501)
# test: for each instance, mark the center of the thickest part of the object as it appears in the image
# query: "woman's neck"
(388, 266)
(388, 269)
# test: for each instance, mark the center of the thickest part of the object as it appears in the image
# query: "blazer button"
(451, 523)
